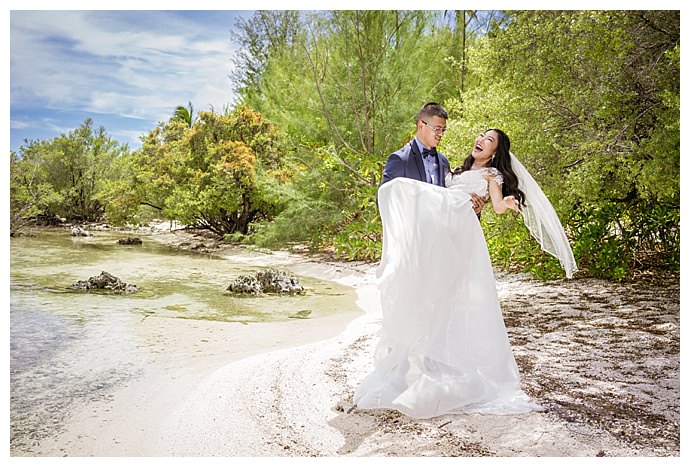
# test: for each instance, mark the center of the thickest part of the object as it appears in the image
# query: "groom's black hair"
(432, 109)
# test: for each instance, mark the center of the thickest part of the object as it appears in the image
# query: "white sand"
(139, 419)
(291, 395)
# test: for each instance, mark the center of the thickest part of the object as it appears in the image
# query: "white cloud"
(134, 63)
(18, 124)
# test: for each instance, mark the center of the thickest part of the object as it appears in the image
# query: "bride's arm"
(500, 203)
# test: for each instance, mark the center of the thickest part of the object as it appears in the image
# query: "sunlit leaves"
(591, 102)
(208, 174)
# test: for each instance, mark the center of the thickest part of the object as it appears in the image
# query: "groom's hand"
(477, 203)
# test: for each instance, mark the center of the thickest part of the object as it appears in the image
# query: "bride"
(443, 345)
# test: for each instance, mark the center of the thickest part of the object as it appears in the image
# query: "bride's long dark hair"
(502, 163)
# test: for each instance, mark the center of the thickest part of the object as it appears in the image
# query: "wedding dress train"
(443, 345)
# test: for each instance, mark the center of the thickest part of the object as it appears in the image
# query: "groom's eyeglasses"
(436, 129)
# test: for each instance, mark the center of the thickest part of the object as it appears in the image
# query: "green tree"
(259, 38)
(466, 27)
(591, 102)
(345, 87)
(185, 114)
(216, 175)
(75, 166)
(31, 195)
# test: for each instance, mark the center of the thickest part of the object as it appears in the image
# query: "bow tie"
(428, 152)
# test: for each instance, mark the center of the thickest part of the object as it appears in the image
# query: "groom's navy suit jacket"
(407, 162)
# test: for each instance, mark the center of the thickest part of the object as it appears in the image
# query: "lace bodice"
(474, 181)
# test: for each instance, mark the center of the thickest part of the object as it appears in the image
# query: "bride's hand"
(477, 203)
(512, 203)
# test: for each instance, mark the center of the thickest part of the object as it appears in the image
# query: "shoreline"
(602, 357)
(114, 426)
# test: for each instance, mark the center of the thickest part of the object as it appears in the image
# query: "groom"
(419, 159)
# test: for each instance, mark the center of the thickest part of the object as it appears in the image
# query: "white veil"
(541, 219)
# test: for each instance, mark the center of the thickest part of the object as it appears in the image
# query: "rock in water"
(245, 284)
(129, 241)
(78, 231)
(281, 282)
(105, 281)
(268, 281)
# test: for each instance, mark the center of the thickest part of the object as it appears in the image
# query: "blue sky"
(126, 70)
(129, 67)
(126, 65)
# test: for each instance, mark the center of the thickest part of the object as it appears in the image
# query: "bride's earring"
(492, 157)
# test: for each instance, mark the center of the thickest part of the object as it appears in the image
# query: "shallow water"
(69, 347)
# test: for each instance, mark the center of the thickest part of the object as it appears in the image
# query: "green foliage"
(361, 235)
(303, 221)
(599, 243)
(120, 195)
(613, 243)
(344, 78)
(65, 177)
(207, 175)
(341, 86)
(185, 114)
(30, 193)
(259, 37)
(590, 100)
(313, 201)
(512, 248)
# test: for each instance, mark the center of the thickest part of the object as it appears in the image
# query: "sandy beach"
(604, 359)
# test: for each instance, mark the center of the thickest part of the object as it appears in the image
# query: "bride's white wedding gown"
(443, 345)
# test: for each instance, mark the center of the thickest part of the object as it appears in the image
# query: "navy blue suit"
(407, 162)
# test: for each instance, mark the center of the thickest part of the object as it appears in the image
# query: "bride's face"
(485, 147)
